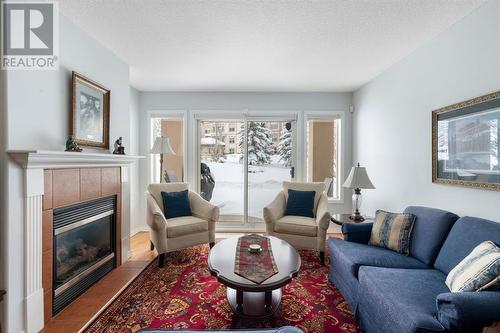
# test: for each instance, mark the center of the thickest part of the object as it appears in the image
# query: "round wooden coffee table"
(247, 299)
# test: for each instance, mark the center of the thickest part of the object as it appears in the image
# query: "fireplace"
(83, 248)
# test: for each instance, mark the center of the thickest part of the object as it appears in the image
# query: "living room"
(317, 166)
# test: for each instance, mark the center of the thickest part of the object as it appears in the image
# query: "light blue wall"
(392, 121)
(38, 109)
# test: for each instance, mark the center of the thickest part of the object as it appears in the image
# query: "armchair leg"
(161, 260)
(322, 257)
(151, 246)
(212, 244)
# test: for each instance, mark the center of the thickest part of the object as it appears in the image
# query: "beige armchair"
(301, 232)
(180, 232)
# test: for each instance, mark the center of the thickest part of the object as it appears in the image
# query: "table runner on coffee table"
(256, 267)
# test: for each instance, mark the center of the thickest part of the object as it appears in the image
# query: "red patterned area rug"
(183, 295)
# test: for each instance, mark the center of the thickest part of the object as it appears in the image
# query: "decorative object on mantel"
(465, 146)
(162, 146)
(119, 149)
(90, 112)
(71, 145)
(357, 179)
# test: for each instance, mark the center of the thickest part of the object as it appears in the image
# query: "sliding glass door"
(242, 165)
(221, 169)
(270, 161)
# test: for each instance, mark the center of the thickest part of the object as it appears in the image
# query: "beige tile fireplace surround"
(55, 179)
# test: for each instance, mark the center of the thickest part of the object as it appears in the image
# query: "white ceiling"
(262, 45)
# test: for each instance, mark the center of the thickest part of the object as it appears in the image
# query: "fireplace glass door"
(82, 247)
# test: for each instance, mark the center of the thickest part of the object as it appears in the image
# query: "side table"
(340, 219)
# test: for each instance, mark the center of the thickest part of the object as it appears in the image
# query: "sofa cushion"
(392, 231)
(429, 232)
(466, 234)
(300, 203)
(354, 255)
(480, 270)
(296, 225)
(400, 300)
(185, 225)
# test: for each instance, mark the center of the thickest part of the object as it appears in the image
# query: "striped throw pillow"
(392, 231)
(480, 270)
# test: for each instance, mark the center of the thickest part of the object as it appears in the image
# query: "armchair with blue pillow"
(179, 218)
(393, 292)
(299, 215)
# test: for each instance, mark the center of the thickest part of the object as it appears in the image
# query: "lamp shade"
(358, 178)
(162, 146)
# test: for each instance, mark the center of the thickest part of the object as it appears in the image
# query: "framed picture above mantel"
(465, 143)
(89, 112)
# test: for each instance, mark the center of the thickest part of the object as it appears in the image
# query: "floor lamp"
(162, 146)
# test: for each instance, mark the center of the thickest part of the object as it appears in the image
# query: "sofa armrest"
(322, 214)
(357, 232)
(157, 220)
(202, 208)
(468, 311)
(276, 209)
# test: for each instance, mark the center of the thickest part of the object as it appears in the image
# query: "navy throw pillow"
(300, 203)
(176, 204)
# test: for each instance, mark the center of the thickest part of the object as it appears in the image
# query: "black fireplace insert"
(84, 248)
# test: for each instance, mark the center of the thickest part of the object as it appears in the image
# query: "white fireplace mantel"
(52, 159)
(34, 162)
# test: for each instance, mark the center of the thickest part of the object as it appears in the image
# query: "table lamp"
(162, 146)
(357, 179)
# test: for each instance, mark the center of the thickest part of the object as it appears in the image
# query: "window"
(231, 150)
(274, 125)
(231, 140)
(172, 168)
(323, 158)
(232, 128)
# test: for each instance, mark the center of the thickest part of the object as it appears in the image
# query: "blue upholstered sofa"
(393, 293)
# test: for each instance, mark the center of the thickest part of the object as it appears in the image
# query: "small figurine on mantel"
(119, 149)
(71, 145)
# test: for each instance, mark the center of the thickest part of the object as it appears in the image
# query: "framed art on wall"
(465, 147)
(89, 112)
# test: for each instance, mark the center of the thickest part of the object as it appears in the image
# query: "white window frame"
(174, 115)
(341, 142)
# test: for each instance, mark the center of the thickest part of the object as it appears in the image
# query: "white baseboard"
(137, 230)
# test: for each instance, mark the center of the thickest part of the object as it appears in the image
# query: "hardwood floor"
(76, 316)
(85, 308)
(82, 311)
